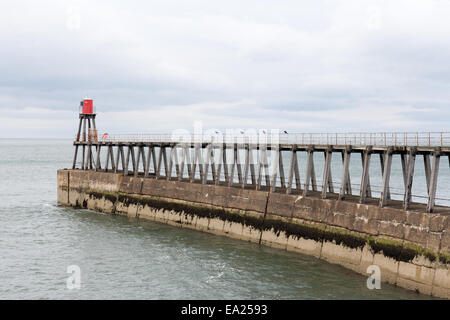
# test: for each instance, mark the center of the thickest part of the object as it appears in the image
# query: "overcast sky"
(156, 66)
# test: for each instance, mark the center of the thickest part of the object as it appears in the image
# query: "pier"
(242, 161)
(249, 186)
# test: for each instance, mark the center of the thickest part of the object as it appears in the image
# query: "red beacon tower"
(87, 122)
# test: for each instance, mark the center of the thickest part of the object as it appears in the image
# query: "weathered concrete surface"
(327, 229)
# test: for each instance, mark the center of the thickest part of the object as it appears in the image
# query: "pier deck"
(258, 160)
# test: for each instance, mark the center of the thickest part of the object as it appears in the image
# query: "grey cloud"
(272, 59)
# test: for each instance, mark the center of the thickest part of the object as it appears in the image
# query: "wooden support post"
(92, 162)
(365, 176)
(84, 129)
(83, 158)
(368, 187)
(293, 170)
(177, 163)
(89, 157)
(141, 154)
(117, 159)
(213, 163)
(194, 164)
(155, 163)
(222, 165)
(97, 161)
(409, 179)
(95, 128)
(133, 159)
(127, 162)
(183, 158)
(298, 183)
(266, 169)
(345, 175)
(433, 181)
(219, 165)
(89, 139)
(313, 175)
(246, 165)
(258, 181)
(209, 163)
(385, 193)
(326, 174)
(171, 156)
(404, 161)
(233, 164)
(122, 155)
(217, 169)
(261, 166)
(144, 159)
(188, 160)
(74, 164)
(427, 167)
(281, 168)
(198, 162)
(79, 130)
(237, 160)
(166, 167)
(382, 164)
(330, 179)
(107, 159)
(147, 163)
(310, 173)
(138, 161)
(225, 164)
(111, 154)
(158, 169)
(349, 181)
(206, 164)
(252, 165)
(276, 165)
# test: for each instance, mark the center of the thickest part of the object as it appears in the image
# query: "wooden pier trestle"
(247, 165)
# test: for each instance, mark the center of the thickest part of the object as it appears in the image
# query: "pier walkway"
(270, 161)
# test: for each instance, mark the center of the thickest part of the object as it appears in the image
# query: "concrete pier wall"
(411, 248)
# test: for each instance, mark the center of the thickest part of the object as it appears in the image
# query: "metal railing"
(420, 139)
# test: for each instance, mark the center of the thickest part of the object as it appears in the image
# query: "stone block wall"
(411, 248)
